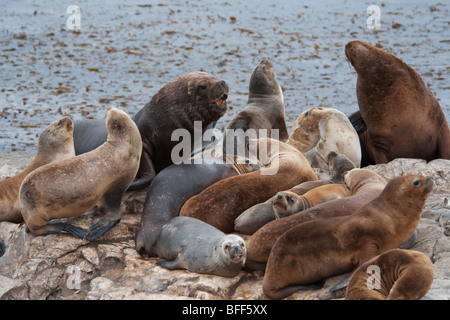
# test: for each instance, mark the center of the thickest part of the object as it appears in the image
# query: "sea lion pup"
(318, 131)
(398, 117)
(323, 248)
(220, 204)
(286, 203)
(394, 275)
(174, 185)
(258, 215)
(196, 96)
(95, 179)
(365, 185)
(55, 143)
(188, 243)
(264, 110)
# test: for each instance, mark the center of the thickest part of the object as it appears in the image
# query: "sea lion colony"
(302, 230)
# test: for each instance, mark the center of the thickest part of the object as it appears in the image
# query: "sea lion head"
(233, 248)
(413, 189)
(305, 131)
(242, 164)
(263, 80)
(339, 164)
(200, 95)
(285, 203)
(118, 122)
(374, 62)
(57, 138)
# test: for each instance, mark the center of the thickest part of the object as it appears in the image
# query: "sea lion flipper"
(61, 228)
(100, 226)
(343, 283)
(410, 242)
(168, 264)
(2, 248)
(146, 172)
(358, 122)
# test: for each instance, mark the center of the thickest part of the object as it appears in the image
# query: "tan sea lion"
(264, 110)
(318, 131)
(394, 100)
(286, 203)
(188, 243)
(394, 275)
(55, 143)
(365, 185)
(221, 203)
(95, 179)
(195, 96)
(323, 248)
(258, 215)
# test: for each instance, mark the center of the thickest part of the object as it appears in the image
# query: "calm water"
(126, 51)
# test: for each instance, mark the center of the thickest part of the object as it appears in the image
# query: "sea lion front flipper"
(343, 283)
(108, 215)
(410, 242)
(2, 248)
(357, 122)
(100, 226)
(168, 264)
(146, 172)
(61, 228)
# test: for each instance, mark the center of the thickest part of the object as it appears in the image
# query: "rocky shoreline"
(65, 268)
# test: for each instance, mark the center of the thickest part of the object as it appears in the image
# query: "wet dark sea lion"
(172, 187)
(264, 110)
(323, 248)
(394, 275)
(188, 243)
(96, 179)
(398, 117)
(196, 96)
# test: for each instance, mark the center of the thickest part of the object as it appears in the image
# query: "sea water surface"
(126, 50)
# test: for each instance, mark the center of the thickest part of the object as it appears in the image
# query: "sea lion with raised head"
(55, 143)
(196, 96)
(365, 185)
(96, 179)
(398, 117)
(188, 243)
(394, 275)
(316, 250)
(264, 110)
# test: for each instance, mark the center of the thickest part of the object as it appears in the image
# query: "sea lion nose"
(279, 196)
(221, 88)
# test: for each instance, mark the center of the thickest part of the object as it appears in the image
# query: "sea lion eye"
(202, 87)
(227, 246)
(306, 114)
(416, 183)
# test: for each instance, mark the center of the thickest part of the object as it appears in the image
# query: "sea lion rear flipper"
(357, 122)
(100, 226)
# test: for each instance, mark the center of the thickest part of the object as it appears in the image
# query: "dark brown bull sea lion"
(398, 117)
(96, 179)
(196, 96)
